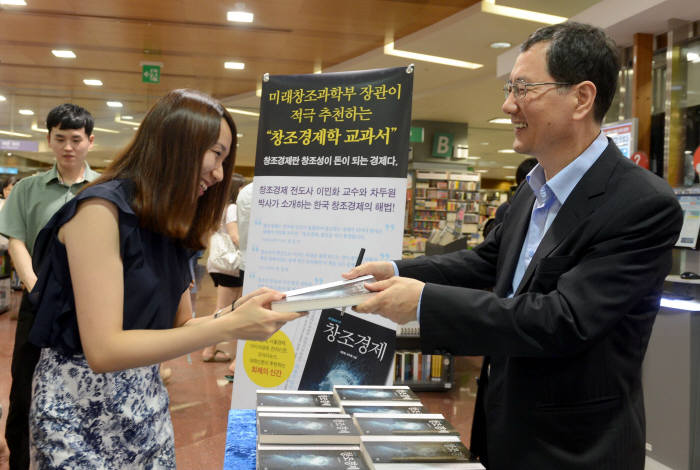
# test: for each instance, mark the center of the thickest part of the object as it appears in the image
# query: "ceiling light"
(14, 3)
(2, 98)
(131, 123)
(510, 177)
(108, 131)
(26, 112)
(15, 134)
(241, 111)
(239, 135)
(500, 45)
(239, 16)
(482, 171)
(92, 82)
(114, 104)
(63, 53)
(509, 167)
(489, 6)
(484, 143)
(693, 57)
(472, 158)
(234, 65)
(389, 50)
(500, 121)
(127, 118)
(36, 128)
(506, 151)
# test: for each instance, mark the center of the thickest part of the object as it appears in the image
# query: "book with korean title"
(336, 294)
(307, 428)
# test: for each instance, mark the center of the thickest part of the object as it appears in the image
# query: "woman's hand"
(252, 318)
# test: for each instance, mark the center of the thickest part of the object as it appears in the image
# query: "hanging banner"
(330, 179)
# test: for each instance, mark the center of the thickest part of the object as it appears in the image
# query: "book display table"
(241, 434)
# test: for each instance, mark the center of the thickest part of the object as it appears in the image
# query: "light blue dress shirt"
(550, 196)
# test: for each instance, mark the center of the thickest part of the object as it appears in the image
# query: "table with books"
(349, 428)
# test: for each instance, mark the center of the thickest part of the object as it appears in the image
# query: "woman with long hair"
(112, 297)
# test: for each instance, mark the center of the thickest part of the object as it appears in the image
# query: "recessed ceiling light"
(239, 16)
(234, 65)
(15, 134)
(14, 3)
(131, 123)
(472, 158)
(2, 98)
(506, 151)
(500, 121)
(389, 50)
(92, 82)
(63, 53)
(509, 167)
(108, 131)
(482, 171)
(127, 118)
(114, 104)
(26, 112)
(489, 6)
(239, 135)
(36, 128)
(242, 111)
(510, 177)
(500, 45)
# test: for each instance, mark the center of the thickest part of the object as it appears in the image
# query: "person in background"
(103, 327)
(520, 174)
(576, 269)
(228, 287)
(30, 205)
(7, 185)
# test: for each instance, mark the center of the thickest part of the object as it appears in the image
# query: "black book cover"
(281, 459)
(287, 399)
(395, 409)
(405, 425)
(289, 428)
(348, 350)
(388, 393)
(416, 452)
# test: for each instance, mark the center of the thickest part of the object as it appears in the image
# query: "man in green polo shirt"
(31, 204)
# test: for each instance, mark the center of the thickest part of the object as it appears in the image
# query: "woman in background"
(112, 297)
(228, 286)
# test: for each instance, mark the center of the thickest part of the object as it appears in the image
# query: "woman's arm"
(232, 229)
(92, 244)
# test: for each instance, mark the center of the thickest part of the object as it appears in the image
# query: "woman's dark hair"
(9, 181)
(578, 52)
(70, 116)
(237, 182)
(164, 160)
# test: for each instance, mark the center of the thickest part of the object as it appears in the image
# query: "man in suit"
(576, 269)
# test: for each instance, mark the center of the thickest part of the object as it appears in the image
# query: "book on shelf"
(385, 407)
(417, 453)
(390, 424)
(306, 428)
(336, 294)
(348, 349)
(297, 401)
(326, 457)
(359, 393)
(411, 328)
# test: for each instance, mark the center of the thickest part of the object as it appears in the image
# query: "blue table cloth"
(241, 436)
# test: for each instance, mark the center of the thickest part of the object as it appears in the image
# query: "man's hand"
(381, 270)
(397, 298)
(4, 455)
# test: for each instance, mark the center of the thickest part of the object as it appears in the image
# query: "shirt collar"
(564, 182)
(52, 174)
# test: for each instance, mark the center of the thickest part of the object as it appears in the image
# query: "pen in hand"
(359, 257)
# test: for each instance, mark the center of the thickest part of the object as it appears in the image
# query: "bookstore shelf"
(420, 372)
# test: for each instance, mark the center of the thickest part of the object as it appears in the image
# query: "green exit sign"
(150, 73)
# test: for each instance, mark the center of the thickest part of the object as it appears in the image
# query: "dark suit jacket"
(566, 350)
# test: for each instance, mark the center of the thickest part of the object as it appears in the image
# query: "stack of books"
(355, 428)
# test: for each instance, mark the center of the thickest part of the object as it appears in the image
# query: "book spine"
(415, 368)
(408, 367)
(426, 367)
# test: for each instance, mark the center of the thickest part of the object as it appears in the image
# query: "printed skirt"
(116, 420)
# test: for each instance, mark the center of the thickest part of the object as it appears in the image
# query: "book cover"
(391, 407)
(374, 393)
(331, 295)
(378, 424)
(417, 452)
(302, 401)
(306, 428)
(347, 349)
(271, 457)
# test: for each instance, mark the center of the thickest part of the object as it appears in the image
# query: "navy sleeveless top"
(156, 273)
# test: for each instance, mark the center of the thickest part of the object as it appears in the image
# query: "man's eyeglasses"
(519, 88)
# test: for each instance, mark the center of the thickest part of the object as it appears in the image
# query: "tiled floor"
(200, 396)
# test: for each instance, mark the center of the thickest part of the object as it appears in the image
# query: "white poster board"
(330, 180)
